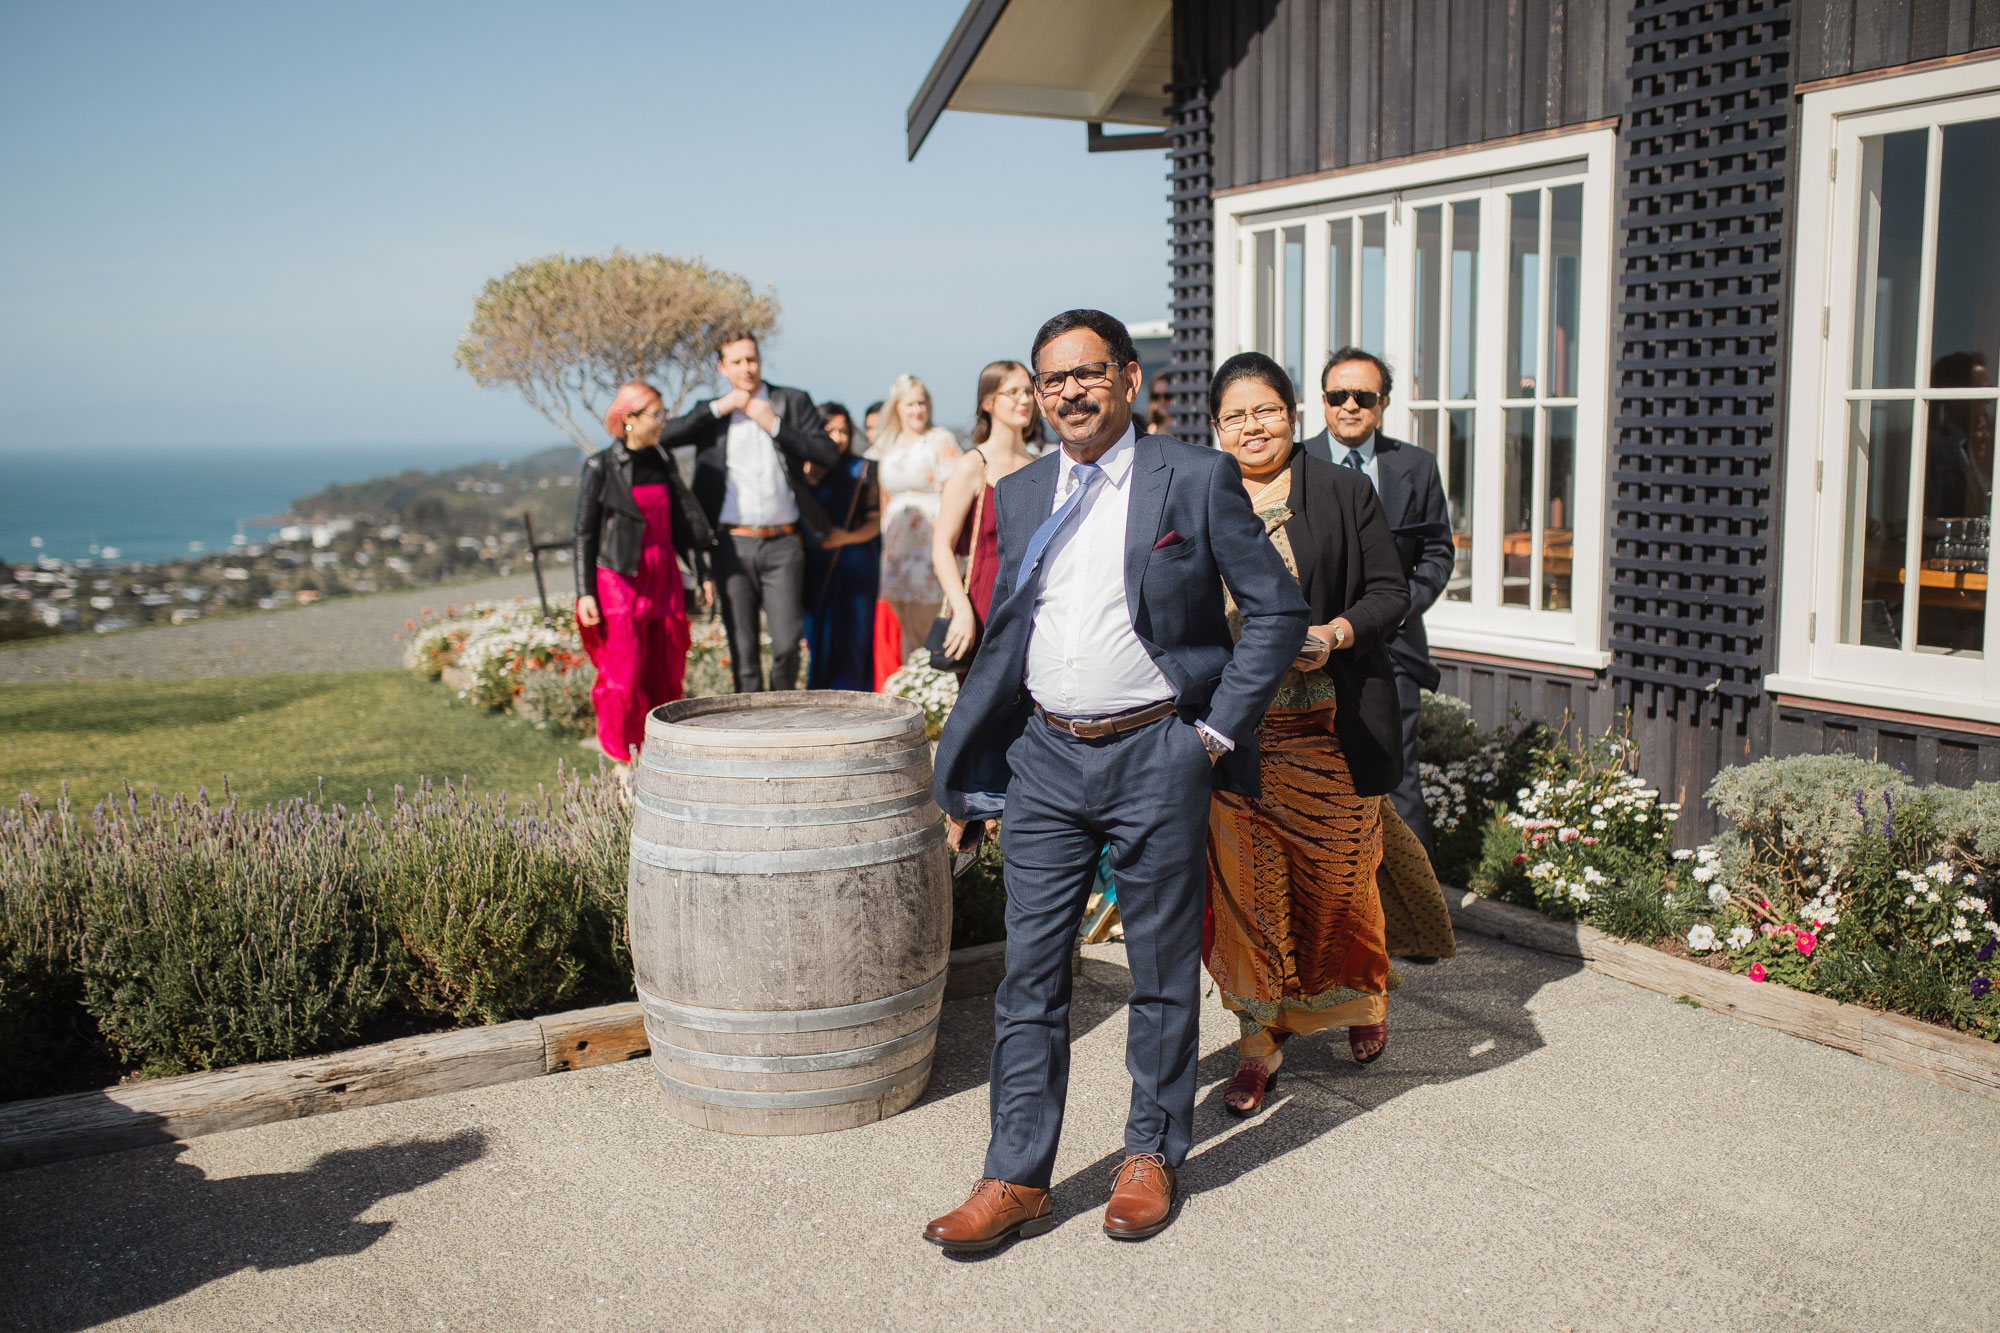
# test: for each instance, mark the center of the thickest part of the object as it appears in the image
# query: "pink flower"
(1768, 929)
(1520, 858)
(1806, 941)
(1589, 842)
(1756, 971)
(1565, 835)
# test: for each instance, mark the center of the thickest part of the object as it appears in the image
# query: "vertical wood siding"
(1837, 37)
(1302, 86)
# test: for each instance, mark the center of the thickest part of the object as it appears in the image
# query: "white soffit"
(1102, 60)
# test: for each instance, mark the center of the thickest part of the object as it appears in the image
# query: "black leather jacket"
(610, 529)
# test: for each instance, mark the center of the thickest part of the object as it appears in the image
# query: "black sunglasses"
(1363, 399)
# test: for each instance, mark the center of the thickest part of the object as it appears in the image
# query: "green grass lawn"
(274, 737)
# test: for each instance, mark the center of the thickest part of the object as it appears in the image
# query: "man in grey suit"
(1106, 702)
(1355, 386)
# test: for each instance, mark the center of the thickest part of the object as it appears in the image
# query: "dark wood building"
(1696, 303)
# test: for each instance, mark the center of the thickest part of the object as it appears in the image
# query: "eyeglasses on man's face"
(1270, 416)
(1089, 375)
(1363, 398)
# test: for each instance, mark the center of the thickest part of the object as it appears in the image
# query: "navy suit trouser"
(1145, 794)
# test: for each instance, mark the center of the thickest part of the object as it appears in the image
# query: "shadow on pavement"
(1458, 1018)
(93, 1241)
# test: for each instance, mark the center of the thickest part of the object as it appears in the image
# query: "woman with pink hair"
(634, 519)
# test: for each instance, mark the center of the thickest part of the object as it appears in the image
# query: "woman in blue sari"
(842, 574)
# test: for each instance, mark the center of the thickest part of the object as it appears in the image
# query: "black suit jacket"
(1174, 593)
(1348, 566)
(800, 438)
(1413, 502)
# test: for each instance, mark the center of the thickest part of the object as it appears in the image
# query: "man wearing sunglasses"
(1105, 705)
(1355, 388)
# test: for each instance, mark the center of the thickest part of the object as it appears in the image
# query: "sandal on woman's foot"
(1378, 1032)
(1253, 1081)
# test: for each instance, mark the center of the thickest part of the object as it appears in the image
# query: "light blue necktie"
(1086, 475)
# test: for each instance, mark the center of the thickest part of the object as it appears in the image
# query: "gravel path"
(351, 634)
(1541, 1149)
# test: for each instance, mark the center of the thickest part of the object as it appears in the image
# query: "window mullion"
(1544, 362)
(1913, 539)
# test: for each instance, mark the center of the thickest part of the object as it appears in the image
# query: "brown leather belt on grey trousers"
(1097, 728)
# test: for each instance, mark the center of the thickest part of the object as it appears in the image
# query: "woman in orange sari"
(1296, 938)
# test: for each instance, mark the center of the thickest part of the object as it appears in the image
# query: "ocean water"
(152, 504)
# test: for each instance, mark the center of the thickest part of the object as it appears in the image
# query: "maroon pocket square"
(1171, 539)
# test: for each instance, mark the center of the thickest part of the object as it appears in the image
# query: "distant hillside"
(472, 501)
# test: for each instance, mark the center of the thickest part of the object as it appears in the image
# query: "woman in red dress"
(1008, 424)
(634, 516)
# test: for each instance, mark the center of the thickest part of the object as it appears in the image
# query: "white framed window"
(1483, 278)
(1895, 340)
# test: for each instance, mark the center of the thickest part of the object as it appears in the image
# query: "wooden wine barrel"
(790, 908)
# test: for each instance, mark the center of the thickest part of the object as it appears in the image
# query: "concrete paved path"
(1542, 1149)
(347, 634)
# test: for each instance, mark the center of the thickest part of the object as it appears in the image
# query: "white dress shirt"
(1368, 464)
(755, 493)
(1084, 659)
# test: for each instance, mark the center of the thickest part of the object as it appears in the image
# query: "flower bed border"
(1904, 1044)
(170, 1110)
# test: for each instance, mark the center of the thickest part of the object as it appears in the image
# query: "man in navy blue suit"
(1355, 386)
(1106, 700)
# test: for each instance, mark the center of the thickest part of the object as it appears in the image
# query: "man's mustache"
(1083, 404)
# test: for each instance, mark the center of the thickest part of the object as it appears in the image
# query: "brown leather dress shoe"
(996, 1211)
(1142, 1198)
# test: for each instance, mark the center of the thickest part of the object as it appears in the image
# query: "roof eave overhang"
(975, 25)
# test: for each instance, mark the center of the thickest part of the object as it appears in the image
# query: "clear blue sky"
(262, 224)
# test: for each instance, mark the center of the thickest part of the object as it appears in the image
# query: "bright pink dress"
(640, 647)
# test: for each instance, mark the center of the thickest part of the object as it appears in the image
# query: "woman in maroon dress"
(1008, 424)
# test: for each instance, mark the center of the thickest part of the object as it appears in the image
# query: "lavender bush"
(44, 1027)
(214, 935)
(496, 913)
(190, 934)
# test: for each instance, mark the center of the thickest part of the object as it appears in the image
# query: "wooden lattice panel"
(1192, 294)
(1701, 313)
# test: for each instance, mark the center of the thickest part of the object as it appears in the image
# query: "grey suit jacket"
(1413, 501)
(1189, 527)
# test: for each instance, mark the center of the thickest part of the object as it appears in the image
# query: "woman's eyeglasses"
(1270, 417)
(1363, 399)
(1089, 375)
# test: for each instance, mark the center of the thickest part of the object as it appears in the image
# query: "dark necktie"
(1086, 475)
(1354, 460)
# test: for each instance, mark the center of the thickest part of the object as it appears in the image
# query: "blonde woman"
(913, 459)
(1008, 425)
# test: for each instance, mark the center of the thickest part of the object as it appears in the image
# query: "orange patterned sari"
(1295, 940)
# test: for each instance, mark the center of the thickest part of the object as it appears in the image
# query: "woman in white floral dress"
(914, 459)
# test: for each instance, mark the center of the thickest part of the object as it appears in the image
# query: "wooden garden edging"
(134, 1115)
(1938, 1054)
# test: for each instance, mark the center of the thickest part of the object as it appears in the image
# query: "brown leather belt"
(1097, 728)
(780, 530)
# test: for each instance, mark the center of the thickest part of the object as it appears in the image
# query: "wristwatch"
(1211, 742)
(1339, 635)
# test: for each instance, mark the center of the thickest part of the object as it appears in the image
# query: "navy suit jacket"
(1413, 502)
(1174, 592)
